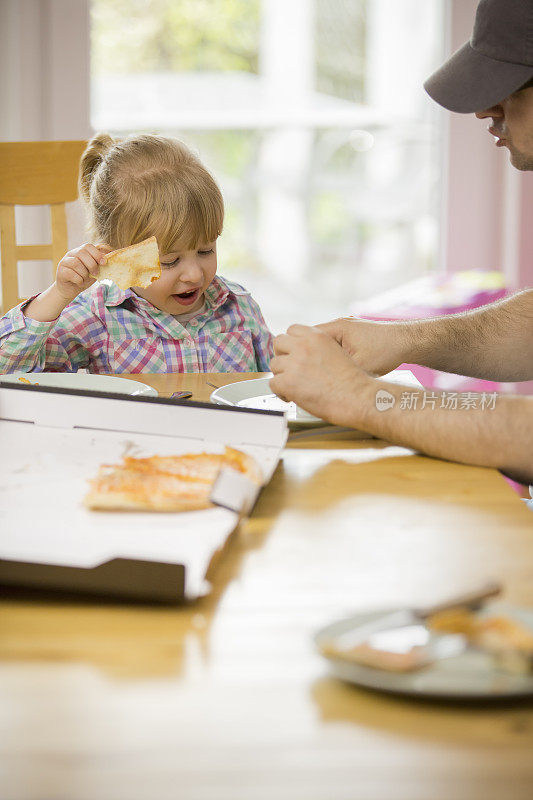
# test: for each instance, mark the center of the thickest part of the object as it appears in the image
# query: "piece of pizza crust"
(165, 483)
(508, 640)
(496, 632)
(137, 265)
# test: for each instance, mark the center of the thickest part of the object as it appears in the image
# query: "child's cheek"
(163, 283)
(213, 271)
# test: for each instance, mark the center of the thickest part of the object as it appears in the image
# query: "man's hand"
(315, 372)
(376, 347)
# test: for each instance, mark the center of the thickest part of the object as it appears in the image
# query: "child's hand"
(78, 269)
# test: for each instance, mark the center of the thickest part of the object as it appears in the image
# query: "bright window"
(312, 116)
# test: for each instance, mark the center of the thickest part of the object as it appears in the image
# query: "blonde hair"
(148, 185)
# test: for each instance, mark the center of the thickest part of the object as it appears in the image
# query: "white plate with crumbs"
(471, 675)
(256, 393)
(84, 381)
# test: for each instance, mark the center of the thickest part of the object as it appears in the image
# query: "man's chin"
(520, 161)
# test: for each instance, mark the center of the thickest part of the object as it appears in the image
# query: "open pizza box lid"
(53, 441)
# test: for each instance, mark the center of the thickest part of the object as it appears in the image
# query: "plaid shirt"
(106, 329)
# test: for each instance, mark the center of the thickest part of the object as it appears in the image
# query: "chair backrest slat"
(8, 256)
(35, 173)
(30, 252)
(59, 233)
(39, 173)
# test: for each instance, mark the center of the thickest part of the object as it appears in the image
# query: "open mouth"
(500, 141)
(187, 298)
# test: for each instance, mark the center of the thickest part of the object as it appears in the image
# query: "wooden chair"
(34, 174)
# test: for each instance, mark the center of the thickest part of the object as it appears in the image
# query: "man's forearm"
(494, 342)
(485, 430)
(488, 430)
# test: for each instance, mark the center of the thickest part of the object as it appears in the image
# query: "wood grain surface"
(227, 699)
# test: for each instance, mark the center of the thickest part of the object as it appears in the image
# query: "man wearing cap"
(325, 369)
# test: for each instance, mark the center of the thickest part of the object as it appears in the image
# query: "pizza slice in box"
(137, 265)
(165, 483)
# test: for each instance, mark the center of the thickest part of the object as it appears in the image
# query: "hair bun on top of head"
(93, 155)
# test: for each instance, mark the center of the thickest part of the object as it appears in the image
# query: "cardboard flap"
(65, 408)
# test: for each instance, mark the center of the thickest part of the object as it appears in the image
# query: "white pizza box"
(53, 440)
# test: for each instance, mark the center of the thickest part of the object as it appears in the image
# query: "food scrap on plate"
(509, 641)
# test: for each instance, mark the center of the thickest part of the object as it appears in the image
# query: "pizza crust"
(137, 265)
(497, 632)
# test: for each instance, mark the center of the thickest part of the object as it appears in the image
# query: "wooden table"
(226, 699)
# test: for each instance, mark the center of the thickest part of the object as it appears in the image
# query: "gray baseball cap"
(496, 61)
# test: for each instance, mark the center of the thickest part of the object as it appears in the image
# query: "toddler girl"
(189, 320)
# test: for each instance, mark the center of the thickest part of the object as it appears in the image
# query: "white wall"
(44, 51)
